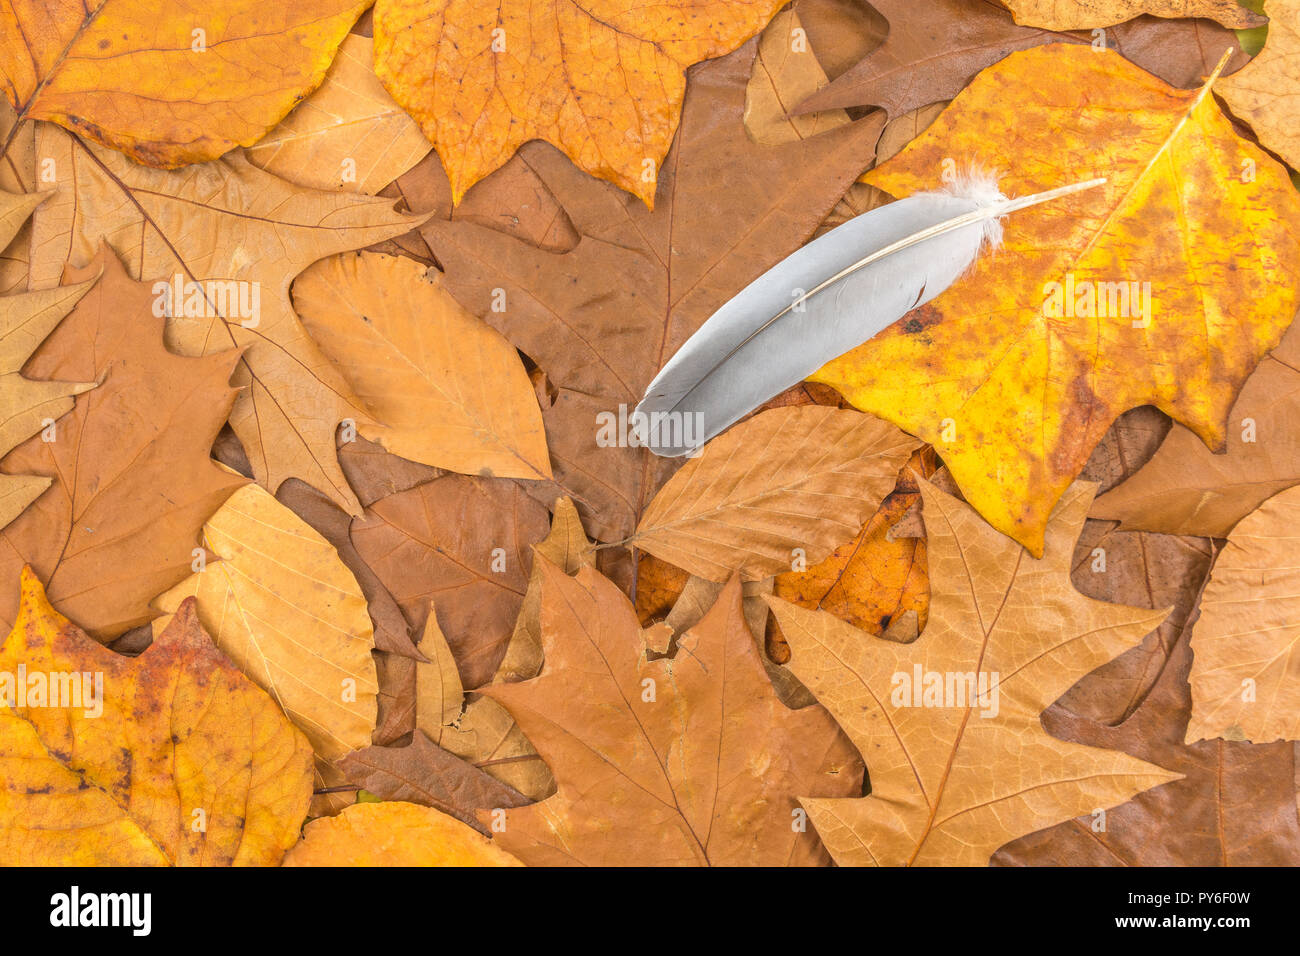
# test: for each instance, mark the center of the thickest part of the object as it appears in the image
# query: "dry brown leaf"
(478, 729)
(675, 761)
(28, 405)
(1245, 668)
(131, 482)
(224, 222)
(278, 600)
(348, 135)
(1267, 93)
(1235, 805)
(432, 776)
(959, 761)
(566, 547)
(935, 47)
(445, 538)
(444, 388)
(791, 483)
(141, 78)
(1185, 488)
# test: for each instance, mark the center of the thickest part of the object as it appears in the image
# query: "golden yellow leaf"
(278, 600)
(445, 388)
(119, 775)
(1165, 286)
(601, 80)
(1087, 14)
(788, 480)
(959, 762)
(1245, 666)
(394, 834)
(348, 135)
(1266, 92)
(168, 84)
(239, 236)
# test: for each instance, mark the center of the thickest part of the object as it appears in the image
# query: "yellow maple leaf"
(1165, 286)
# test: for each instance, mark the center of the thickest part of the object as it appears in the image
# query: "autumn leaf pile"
(325, 538)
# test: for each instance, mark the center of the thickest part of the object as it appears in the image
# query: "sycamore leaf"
(17, 175)
(1245, 669)
(935, 47)
(601, 318)
(129, 473)
(1185, 488)
(432, 776)
(200, 741)
(1087, 14)
(394, 834)
(680, 760)
(278, 600)
(600, 80)
(796, 478)
(1267, 93)
(141, 78)
(348, 135)
(959, 762)
(446, 389)
(1235, 805)
(26, 405)
(243, 235)
(465, 541)
(1016, 372)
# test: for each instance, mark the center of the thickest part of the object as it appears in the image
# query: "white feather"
(821, 301)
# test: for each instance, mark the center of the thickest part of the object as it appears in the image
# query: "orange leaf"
(602, 80)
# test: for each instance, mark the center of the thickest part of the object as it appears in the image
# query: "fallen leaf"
(1265, 94)
(445, 389)
(141, 78)
(1185, 488)
(604, 82)
(278, 600)
(446, 538)
(129, 474)
(1245, 674)
(958, 776)
(17, 175)
(392, 633)
(431, 776)
(477, 729)
(348, 135)
(1087, 14)
(1234, 806)
(224, 222)
(28, 405)
(200, 741)
(935, 47)
(567, 548)
(394, 834)
(675, 761)
(877, 582)
(1013, 392)
(648, 279)
(791, 483)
